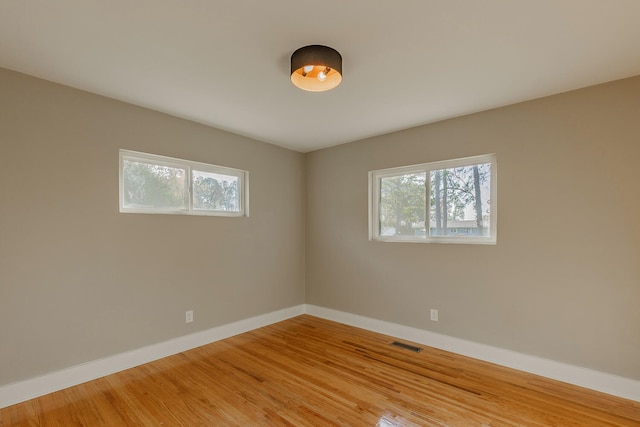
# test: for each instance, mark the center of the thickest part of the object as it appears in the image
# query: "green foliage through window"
(157, 184)
(402, 203)
(148, 185)
(448, 201)
(215, 192)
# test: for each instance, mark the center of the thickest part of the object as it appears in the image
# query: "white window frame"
(374, 201)
(188, 165)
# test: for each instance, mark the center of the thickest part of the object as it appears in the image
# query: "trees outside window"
(156, 184)
(461, 197)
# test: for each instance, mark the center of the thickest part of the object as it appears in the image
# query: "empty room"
(339, 213)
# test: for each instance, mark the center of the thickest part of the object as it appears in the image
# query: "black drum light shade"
(316, 68)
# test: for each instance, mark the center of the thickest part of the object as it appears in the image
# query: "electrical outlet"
(434, 314)
(189, 316)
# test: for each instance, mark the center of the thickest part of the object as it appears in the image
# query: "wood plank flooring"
(307, 371)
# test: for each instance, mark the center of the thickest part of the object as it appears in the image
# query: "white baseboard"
(583, 377)
(11, 394)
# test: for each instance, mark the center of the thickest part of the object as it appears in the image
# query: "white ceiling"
(225, 63)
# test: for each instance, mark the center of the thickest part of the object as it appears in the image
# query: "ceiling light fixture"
(316, 68)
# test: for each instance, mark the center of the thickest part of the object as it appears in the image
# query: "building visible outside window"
(452, 201)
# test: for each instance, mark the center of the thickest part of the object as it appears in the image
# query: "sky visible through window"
(458, 205)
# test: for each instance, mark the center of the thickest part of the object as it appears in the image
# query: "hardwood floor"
(307, 371)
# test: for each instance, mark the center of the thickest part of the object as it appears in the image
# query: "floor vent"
(407, 346)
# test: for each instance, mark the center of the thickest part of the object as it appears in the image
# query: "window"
(158, 184)
(452, 201)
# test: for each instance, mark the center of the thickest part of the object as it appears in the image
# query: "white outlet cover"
(189, 316)
(434, 315)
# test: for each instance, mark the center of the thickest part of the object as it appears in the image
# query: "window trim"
(375, 177)
(188, 166)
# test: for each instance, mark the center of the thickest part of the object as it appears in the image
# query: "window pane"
(459, 204)
(148, 185)
(215, 192)
(403, 205)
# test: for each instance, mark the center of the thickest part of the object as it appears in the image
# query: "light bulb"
(322, 76)
(308, 68)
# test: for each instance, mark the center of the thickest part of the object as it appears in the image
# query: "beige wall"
(563, 282)
(80, 281)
